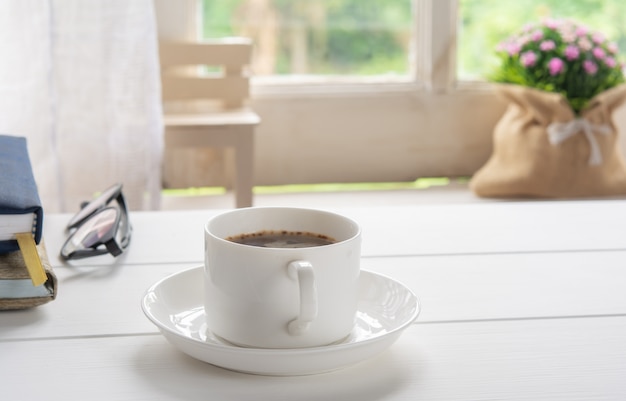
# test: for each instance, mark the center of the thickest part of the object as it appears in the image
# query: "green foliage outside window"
(321, 37)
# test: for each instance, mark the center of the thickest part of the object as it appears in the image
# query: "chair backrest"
(228, 84)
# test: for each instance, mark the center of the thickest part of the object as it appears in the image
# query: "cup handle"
(302, 272)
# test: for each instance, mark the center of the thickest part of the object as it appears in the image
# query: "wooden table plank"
(511, 286)
(560, 359)
(91, 301)
(400, 231)
(105, 300)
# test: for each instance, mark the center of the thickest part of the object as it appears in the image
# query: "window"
(376, 38)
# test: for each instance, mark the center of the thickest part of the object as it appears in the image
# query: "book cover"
(20, 206)
(16, 288)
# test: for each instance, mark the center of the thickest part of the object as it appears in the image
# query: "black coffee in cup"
(282, 239)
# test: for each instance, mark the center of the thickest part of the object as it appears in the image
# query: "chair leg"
(244, 166)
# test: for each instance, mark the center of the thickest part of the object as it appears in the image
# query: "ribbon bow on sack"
(558, 132)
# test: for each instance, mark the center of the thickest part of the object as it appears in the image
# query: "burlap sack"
(541, 149)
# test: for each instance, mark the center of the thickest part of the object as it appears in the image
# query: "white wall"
(392, 137)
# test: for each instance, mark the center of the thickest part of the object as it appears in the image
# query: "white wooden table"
(520, 301)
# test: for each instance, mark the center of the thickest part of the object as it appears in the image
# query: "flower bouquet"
(560, 56)
(557, 138)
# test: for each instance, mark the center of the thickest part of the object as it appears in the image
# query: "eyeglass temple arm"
(113, 248)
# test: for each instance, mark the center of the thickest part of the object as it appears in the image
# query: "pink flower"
(590, 67)
(610, 62)
(571, 52)
(568, 36)
(510, 46)
(556, 66)
(598, 53)
(597, 38)
(528, 58)
(613, 47)
(566, 25)
(522, 40)
(551, 23)
(536, 35)
(581, 31)
(513, 48)
(547, 45)
(584, 44)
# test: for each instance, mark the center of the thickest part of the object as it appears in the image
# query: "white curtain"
(80, 80)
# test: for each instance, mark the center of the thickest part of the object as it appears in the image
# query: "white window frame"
(431, 59)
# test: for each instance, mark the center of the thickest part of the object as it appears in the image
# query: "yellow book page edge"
(28, 247)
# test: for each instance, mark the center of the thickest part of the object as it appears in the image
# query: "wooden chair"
(206, 108)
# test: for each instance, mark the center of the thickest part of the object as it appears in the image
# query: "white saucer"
(175, 306)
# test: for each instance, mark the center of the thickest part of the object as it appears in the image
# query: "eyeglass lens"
(95, 231)
(96, 204)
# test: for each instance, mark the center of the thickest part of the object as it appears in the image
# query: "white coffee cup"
(274, 297)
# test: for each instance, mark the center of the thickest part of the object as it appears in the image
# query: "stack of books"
(26, 276)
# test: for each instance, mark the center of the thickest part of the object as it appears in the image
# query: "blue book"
(20, 206)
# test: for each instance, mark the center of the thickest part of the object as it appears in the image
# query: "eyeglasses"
(99, 227)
